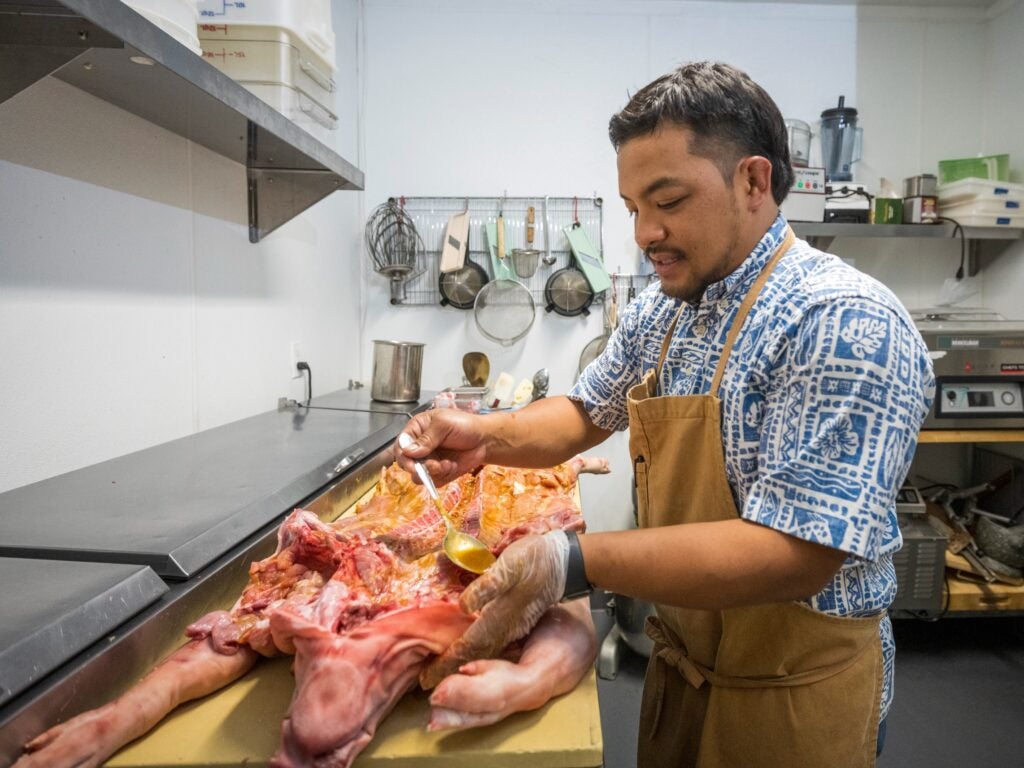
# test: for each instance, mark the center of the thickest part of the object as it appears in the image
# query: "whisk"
(394, 245)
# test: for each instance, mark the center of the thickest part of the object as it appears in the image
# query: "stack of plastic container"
(983, 203)
(280, 50)
(175, 17)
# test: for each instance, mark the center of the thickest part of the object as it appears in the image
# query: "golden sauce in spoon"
(466, 551)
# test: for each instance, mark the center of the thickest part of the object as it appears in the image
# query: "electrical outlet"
(295, 357)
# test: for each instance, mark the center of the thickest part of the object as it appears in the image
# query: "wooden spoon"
(477, 368)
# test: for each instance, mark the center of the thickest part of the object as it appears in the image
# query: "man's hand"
(449, 442)
(511, 596)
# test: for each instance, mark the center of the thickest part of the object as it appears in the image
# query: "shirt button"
(700, 330)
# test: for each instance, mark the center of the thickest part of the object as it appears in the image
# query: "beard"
(692, 286)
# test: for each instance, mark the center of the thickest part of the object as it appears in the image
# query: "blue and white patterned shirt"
(822, 399)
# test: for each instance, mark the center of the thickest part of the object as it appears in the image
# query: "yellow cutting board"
(240, 726)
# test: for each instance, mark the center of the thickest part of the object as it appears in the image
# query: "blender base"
(847, 202)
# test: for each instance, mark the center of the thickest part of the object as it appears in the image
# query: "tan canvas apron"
(768, 685)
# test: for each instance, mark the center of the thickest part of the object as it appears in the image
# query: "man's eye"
(669, 204)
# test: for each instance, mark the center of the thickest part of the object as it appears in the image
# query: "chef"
(773, 396)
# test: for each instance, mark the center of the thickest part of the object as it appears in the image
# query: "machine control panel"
(909, 501)
(969, 398)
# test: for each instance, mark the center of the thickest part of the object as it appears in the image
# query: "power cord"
(304, 367)
(844, 192)
(963, 243)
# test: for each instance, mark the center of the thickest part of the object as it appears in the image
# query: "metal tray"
(54, 609)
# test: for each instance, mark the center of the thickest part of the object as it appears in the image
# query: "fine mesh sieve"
(504, 311)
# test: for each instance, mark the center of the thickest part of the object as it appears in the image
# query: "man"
(773, 396)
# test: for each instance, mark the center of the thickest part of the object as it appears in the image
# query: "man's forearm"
(708, 565)
(544, 433)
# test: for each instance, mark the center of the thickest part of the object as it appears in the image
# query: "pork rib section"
(364, 604)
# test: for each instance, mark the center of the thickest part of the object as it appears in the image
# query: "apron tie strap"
(670, 653)
(696, 674)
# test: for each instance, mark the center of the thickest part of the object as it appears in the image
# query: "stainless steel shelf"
(815, 229)
(107, 49)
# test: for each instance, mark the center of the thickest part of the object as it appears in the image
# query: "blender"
(806, 198)
(799, 134)
(841, 142)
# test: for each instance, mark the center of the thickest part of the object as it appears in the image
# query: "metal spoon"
(466, 551)
(540, 384)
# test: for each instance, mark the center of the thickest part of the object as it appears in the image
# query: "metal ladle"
(467, 552)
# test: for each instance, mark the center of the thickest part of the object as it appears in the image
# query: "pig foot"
(556, 656)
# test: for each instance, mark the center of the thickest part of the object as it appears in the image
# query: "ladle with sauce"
(467, 552)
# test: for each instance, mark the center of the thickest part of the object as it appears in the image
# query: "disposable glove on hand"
(511, 596)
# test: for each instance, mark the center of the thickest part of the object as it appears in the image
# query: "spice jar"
(920, 199)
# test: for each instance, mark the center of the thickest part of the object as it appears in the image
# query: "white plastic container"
(986, 212)
(966, 190)
(309, 20)
(297, 107)
(267, 55)
(279, 68)
(991, 206)
(178, 18)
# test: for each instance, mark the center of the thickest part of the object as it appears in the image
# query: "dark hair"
(730, 115)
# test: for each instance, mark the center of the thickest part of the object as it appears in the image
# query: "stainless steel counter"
(52, 610)
(197, 510)
(177, 506)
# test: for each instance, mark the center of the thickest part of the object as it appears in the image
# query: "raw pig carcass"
(364, 604)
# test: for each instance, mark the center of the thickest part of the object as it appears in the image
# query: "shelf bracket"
(35, 42)
(277, 190)
(277, 195)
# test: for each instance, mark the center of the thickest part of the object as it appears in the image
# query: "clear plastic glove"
(511, 596)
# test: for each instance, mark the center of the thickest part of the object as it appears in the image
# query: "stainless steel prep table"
(179, 505)
(199, 510)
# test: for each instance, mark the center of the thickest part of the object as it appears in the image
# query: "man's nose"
(648, 230)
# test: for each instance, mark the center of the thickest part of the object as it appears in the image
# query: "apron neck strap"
(741, 316)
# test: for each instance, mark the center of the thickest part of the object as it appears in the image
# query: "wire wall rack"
(551, 216)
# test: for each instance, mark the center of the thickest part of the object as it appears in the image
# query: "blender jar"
(840, 141)
(799, 134)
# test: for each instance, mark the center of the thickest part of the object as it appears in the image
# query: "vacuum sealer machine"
(978, 357)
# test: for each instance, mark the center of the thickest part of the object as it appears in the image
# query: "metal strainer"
(504, 311)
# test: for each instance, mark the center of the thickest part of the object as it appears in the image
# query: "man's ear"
(754, 180)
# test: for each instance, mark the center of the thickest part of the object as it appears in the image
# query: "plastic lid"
(840, 111)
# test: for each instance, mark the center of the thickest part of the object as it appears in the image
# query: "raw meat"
(364, 604)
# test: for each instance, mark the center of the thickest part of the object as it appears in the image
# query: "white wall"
(134, 310)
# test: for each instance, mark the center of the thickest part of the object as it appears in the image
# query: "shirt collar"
(751, 266)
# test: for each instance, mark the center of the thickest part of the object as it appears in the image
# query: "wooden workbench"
(975, 595)
(240, 726)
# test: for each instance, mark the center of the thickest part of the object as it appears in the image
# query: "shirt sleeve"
(841, 414)
(602, 387)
